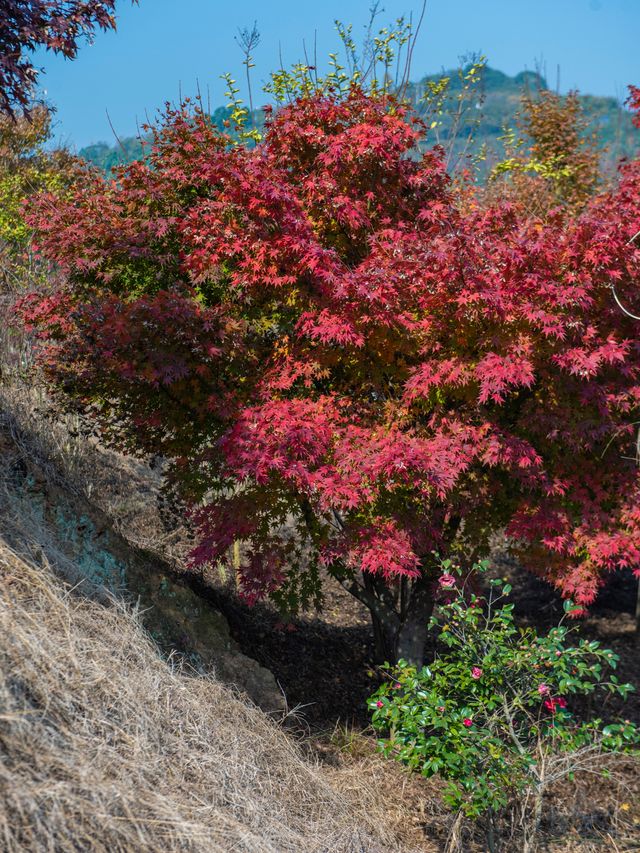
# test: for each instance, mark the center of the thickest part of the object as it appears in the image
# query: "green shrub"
(493, 714)
(27, 166)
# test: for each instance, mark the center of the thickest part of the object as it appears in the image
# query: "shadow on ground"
(324, 663)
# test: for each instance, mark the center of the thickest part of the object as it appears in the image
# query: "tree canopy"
(351, 367)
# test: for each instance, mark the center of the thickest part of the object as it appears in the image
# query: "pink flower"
(467, 722)
(441, 708)
(561, 703)
(379, 704)
(447, 580)
(476, 672)
(543, 688)
(558, 654)
(397, 685)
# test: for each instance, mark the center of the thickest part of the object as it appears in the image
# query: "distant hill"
(500, 99)
(130, 148)
(495, 109)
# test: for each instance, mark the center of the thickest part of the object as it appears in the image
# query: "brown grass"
(104, 747)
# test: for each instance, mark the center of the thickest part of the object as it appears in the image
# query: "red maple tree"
(349, 370)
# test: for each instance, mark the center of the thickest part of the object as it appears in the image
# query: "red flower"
(379, 704)
(555, 702)
(476, 672)
(468, 722)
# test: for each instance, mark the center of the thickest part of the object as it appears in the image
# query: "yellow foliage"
(26, 167)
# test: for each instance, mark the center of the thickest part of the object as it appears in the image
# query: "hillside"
(499, 101)
(105, 747)
(496, 108)
(129, 148)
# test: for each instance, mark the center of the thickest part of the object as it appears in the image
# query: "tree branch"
(370, 600)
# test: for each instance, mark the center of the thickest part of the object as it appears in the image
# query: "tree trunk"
(398, 631)
(400, 618)
(384, 640)
(414, 626)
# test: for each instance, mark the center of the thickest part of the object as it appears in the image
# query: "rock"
(178, 618)
(79, 543)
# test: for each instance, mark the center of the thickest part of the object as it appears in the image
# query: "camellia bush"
(348, 368)
(493, 713)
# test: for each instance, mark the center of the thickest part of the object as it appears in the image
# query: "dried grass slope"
(104, 747)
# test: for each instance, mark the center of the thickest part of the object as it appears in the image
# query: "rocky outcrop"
(78, 542)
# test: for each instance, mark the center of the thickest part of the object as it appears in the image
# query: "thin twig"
(613, 287)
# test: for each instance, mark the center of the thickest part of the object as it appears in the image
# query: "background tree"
(57, 25)
(556, 160)
(27, 167)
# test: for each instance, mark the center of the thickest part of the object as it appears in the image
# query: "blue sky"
(164, 47)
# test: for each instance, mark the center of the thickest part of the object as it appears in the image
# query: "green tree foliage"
(27, 167)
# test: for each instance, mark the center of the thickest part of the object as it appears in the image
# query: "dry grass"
(590, 815)
(104, 747)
